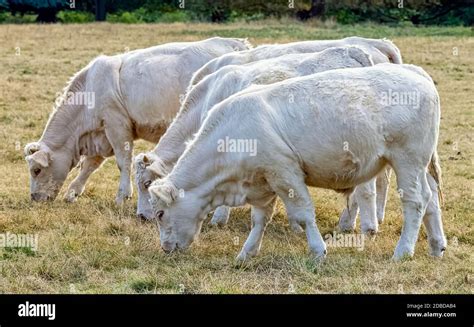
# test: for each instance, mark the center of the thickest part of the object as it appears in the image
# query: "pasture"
(93, 246)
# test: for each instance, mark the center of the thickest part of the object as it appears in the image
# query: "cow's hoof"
(347, 223)
(402, 254)
(120, 200)
(245, 255)
(345, 228)
(319, 255)
(242, 258)
(380, 216)
(219, 220)
(437, 248)
(296, 227)
(370, 231)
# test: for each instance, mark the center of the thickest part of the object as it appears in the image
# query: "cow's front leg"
(366, 198)
(88, 165)
(122, 143)
(220, 216)
(290, 187)
(124, 163)
(382, 184)
(261, 217)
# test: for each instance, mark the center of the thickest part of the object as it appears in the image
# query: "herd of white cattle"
(238, 125)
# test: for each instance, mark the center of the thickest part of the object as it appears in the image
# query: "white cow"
(218, 86)
(333, 130)
(110, 103)
(381, 50)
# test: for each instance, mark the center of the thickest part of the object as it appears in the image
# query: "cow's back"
(153, 81)
(338, 121)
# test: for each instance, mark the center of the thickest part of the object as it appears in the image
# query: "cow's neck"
(173, 142)
(215, 182)
(207, 169)
(64, 131)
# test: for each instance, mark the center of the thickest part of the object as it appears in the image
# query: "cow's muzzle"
(169, 247)
(40, 197)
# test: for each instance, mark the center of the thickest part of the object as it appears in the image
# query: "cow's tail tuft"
(434, 169)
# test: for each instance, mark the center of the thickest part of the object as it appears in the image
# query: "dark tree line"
(345, 11)
(48, 9)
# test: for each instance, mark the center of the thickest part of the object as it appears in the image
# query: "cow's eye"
(37, 171)
(147, 184)
(160, 214)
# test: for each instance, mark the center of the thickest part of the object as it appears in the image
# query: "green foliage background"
(418, 12)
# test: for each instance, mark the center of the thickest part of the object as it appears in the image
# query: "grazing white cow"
(129, 96)
(381, 51)
(218, 86)
(333, 130)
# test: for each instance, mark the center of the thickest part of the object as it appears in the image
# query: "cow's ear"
(164, 191)
(142, 160)
(39, 157)
(145, 159)
(31, 148)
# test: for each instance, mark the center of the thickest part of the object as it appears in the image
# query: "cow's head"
(148, 167)
(179, 216)
(48, 170)
(241, 44)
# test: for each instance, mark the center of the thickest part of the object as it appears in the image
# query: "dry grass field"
(93, 246)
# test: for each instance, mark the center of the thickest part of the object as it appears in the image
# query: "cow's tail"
(389, 49)
(434, 169)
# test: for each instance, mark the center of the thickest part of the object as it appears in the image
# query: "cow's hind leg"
(220, 216)
(415, 194)
(433, 222)
(261, 216)
(88, 165)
